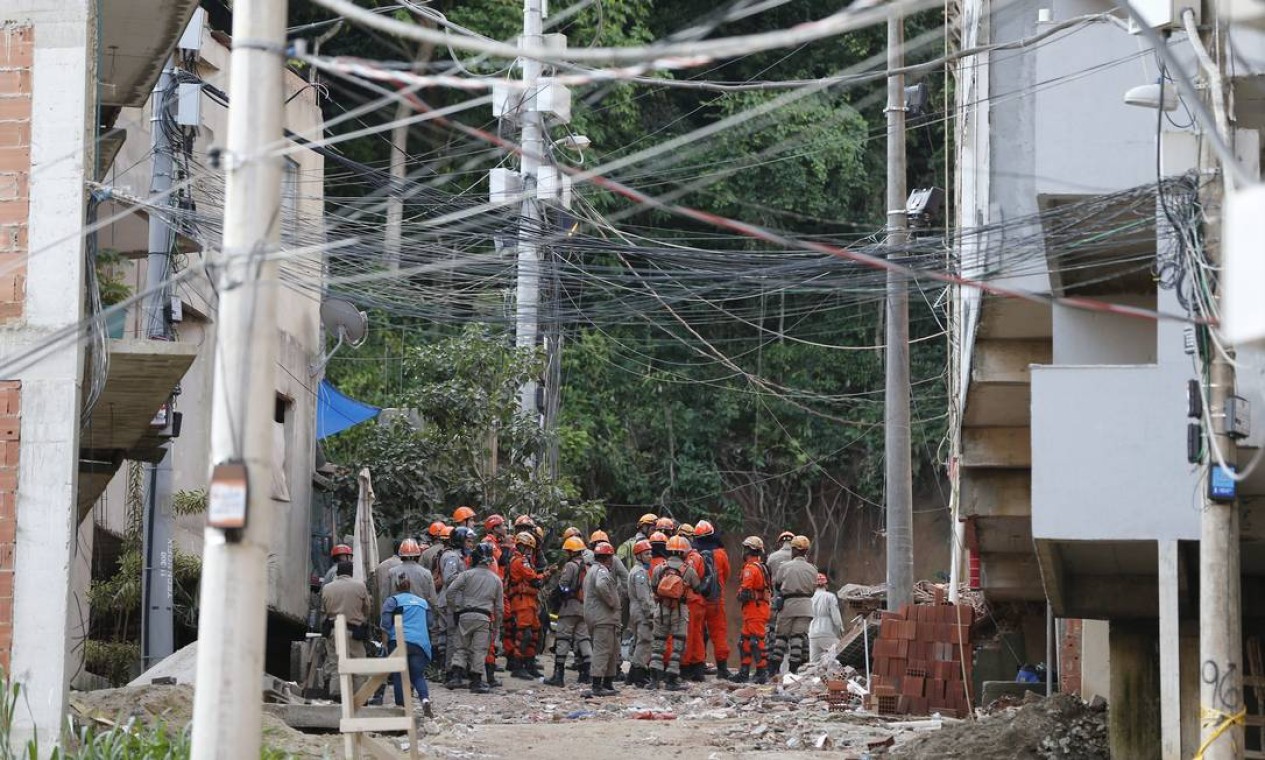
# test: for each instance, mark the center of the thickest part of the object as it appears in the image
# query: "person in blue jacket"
(415, 611)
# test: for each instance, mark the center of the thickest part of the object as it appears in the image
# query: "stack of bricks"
(922, 661)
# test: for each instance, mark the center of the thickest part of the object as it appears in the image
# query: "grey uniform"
(601, 614)
(641, 608)
(350, 598)
(421, 583)
(671, 618)
(796, 581)
(572, 633)
(452, 562)
(476, 599)
(382, 578)
(773, 562)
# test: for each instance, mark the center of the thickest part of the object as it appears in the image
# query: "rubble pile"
(1061, 727)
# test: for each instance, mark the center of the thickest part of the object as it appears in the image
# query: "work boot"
(533, 667)
(795, 666)
(489, 670)
(584, 674)
(743, 675)
(609, 687)
(520, 671)
(653, 682)
(698, 672)
(636, 676)
(722, 671)
(674, 683)
(455, 679)
(761, 675)
(476, 684)
(559, 670)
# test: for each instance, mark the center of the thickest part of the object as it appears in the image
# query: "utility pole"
(157, 639)
(526, 325)
(898, 474)
(227, 706)
(1220, 610)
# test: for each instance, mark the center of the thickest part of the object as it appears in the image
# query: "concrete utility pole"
(526, 327)
(227, 707)
(898, 474)
(157, 637)
(1220, 600)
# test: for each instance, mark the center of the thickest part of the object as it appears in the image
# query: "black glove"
(744, 595)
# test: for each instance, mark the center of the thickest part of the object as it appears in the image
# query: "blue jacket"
(414, 609)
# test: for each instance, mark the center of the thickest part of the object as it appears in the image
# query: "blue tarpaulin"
(336, 412)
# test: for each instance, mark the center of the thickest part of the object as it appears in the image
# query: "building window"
(282, 423)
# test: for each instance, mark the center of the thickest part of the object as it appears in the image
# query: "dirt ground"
(710, 721)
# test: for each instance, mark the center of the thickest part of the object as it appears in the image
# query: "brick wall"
(10, 427)
(1070, 657)
(17, 52)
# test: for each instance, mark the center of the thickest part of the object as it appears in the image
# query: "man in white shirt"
(827, 625)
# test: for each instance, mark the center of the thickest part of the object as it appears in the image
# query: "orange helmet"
(573, 544)
(569, 532)
(754, 543)
(524, 521)
(678, 544)
(800, 542)
(462, 514)
(540, 533)
(658, 538)
(493, 522)
(526, 539)
(703, 528)
(641, 546)
(665, 524)
(436, 529)
(686, 530)
(785, 535)
(648, 518)
(603, 549)
(341, 550)
(446, 532)
(598, 535)
(410, 548)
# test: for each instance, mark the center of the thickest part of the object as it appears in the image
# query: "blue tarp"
(336, 412)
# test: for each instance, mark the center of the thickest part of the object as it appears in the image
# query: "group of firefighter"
(662, 592)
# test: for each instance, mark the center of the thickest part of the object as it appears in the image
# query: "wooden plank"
(358, 725)
(366, 691)
(382, 749)
(372, 666)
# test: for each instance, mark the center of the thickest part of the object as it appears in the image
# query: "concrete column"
(1170, 654)
(62, 105)
(1134, 717)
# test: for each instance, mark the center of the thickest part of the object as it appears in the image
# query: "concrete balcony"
(142, 375)
(137, 36)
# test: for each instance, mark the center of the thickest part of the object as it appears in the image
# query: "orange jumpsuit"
(754, 593)
(714, 620)
(509, 637)
(695, 649)
(524, 604)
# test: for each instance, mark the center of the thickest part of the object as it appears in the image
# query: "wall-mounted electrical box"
(1221, 485)
(506, 186)
(553, 99)
(191, 39)
(1238, 417)
(1162, 14)
(553, 185)
(189, 104)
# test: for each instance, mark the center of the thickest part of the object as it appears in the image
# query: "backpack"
(671, 586)
(710, 586)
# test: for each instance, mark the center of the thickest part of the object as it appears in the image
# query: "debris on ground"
(1060, 727)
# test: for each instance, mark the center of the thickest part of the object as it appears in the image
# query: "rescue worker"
(827, 625)
(382, 575)
(438, 533)
(416, 612)
(665, 525)
(477, 600)
(340, 553)
(571, 634)
(754, 594)
(774, 561)
(489, 660)
(421, 582)
(641, 608)
(715, 624)
(658, 549)
(571, 532)
(524, 606)
(795, 582)
(694, 659)
(669, 583)
(452, 563)
(626, 550)
(463, 517)
(430, 560)
(620, 572)
(350, 598)
(601, 615)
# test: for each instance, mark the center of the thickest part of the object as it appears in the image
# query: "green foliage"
(185, 503)
(113, 660)
(111, 282)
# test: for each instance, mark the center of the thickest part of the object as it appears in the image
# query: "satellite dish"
(350, 325)
(342, 319)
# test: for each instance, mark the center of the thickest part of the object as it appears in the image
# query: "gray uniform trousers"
(330, 666)
(643, 630)
(605, 651)
(573, 636)
(474, 634)
(792, 635)
(671, 621)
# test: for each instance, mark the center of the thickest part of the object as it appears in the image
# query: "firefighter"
(694, 659)
(795, 581)
(658, 549)
(463, 517)
(493, 548)
(754, 594)
(572, 634)
(340, 553)
(715, 624)
(476, 599)
(350, 598)
(665, 525)
(524, 606)
(601, 615)
(620, 572)
(626, 550)
(421, 582)
(452, 563)
(641, 608)
(773, 562)
(669, 584)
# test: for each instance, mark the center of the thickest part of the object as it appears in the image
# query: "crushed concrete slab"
(181, 665)
(324, 717)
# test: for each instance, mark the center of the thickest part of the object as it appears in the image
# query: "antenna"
(351, 326)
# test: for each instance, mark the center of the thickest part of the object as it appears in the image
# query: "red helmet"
(604, 549)
(462, 514)
(703, 528)
(641, 546)
(341, 550)
(492, 522)
(410, 548)
(436, 529)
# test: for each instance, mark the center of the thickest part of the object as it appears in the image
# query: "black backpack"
(710, 585)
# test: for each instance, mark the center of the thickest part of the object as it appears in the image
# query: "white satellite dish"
(341, 318)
